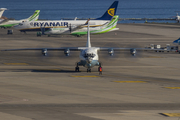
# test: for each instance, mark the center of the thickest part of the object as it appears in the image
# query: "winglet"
(88, 44)
(111, 11)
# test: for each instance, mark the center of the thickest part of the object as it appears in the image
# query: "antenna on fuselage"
(88, 44)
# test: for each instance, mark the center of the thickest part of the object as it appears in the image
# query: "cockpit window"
(89, 55)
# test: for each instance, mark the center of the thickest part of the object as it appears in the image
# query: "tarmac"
(145, 87)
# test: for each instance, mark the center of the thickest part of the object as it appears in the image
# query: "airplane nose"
(89, 60)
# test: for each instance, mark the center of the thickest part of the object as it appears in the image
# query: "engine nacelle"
(111, 52)
(67, 52)
(133, 52)
(44, 52)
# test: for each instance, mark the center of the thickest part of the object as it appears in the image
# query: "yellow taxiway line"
(16, 64)
(172, 87)
(130, 81)
(171, 114)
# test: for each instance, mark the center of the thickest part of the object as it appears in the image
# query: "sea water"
(59, 9)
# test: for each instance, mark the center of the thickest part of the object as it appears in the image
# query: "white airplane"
(74, 27)
(82, 30)
(11, 23)
(88, 54)
(177, 18)
(1, 13)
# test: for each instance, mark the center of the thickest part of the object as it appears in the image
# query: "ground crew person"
(100, 70)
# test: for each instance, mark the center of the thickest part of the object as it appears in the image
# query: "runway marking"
(154, 57)
(48, 69)
(171, 114)
(16, 64)
(172, 87)
(130, 81)
(85, 76)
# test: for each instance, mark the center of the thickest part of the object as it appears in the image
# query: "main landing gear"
(77, 68)
(88, 70)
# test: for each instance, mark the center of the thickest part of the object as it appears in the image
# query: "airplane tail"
(109, 26)
(88, 44)
(2, 11)
(111, 11)
(34, 17)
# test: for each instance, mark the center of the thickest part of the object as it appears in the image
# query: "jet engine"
(44, 52)
(67, 52)
(111, 52)
(133, 52)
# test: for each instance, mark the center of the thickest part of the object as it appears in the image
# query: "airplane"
(88, 54)
(1, 13)
(11, 23)
(176, 42)
(177, 17)
(77, 31)
(74, 27)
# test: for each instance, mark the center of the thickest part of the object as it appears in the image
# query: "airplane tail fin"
(34, 17)
(88, 44)
(2, 11)
(109, 26)
(113, 22)
(111, 11)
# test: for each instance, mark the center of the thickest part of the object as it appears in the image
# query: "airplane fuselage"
(64, 24)
(11, 23)
(89, 57)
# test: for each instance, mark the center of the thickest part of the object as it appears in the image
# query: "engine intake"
(67, 52)
(111, 52)
(44, 52)
(133, 52)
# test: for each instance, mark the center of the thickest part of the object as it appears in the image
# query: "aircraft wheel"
(77, 69)
(88, 70)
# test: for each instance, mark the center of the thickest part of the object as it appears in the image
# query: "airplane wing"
(51, 49)
(3, 21)
(132, 50)
(119, 49)
(45, 50)
(81, 48)
(68, 49)
(139, 49)
(85, 25)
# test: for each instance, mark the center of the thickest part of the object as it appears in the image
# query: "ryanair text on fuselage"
(48, 24)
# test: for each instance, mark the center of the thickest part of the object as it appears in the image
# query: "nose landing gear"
(88, 70)
(77, 68)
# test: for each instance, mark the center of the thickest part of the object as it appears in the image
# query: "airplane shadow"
(54, 71)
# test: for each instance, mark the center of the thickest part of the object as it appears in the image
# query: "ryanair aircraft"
(103, 24)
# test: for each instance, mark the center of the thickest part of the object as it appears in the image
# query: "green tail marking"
(35, 16)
